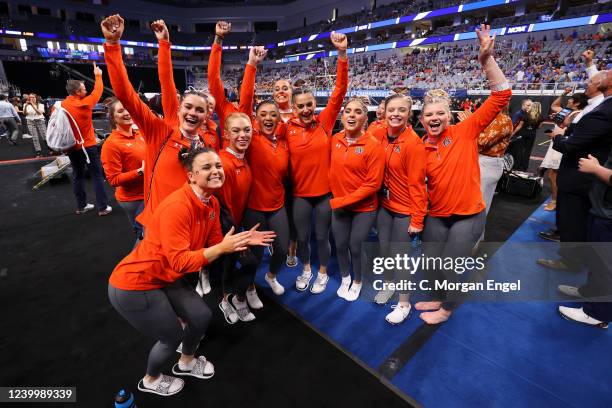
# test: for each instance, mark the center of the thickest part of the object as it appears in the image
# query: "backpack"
(60, 136)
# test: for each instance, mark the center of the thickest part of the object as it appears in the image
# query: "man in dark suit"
(599, 228)
(587, 136)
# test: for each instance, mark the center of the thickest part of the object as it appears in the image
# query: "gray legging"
(275, 221)
(454, 237)
(350, 230)
(392, 235)
(302, 216)
(155, 314)
(133, 209)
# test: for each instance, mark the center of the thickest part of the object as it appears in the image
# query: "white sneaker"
(277, 288)
(320, 283)
(242, 309)
(344, 288)
(229, 312)
(302, 281)
(253, 300)
(399, 314)
(383, 296)
(203, 286)
(353, 292)
(291, 261)
(570, 291)
(578, 315)
(85, 209)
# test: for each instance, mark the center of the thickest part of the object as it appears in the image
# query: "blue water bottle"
(125, 399)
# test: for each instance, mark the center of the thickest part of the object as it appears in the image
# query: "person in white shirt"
(10, 118)
(35, 119)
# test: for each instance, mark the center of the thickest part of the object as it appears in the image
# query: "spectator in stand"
(527, 127)
(34, 112)
(492, 145)
(552, 159)
(80, 106)
(9, 118)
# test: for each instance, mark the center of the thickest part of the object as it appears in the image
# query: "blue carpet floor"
(489, 354)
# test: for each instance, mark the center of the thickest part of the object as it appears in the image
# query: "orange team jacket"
(170, 103)
(163, 141)
(453, 172)
(356, 172)
(81, 109)
(181, 227)
(404, 179)
(122, 156)
(215, 87)
(269, 163)
(378, 129)
(235, 191)
(309, 144)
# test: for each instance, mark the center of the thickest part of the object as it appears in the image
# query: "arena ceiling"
(217, 3)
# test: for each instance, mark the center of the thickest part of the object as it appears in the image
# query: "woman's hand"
(589, 165)
(235, 242)
(112, 28)
(340, 42)
(486, 43)
(261, 238)
(161, 30)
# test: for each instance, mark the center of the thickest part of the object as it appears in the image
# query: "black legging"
(270, 221)
(451, 237)
(236, 278)
(350, 230)
(155, 314)
(302, 216)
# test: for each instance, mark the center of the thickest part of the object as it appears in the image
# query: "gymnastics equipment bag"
(520, 183)
(60, 136)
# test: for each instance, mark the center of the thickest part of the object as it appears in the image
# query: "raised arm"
(112, 28)
(556, 107)
(415, 162)
(329, 115)
(247, 89)
(96, 94)
(170, 102)
(500, 89)
(215, 85)
(370, 184)
(591, 69)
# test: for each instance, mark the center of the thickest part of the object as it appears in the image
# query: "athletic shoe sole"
(226, 319)
(405, 318)
(142, 388)
(599, 326)
(177, 371)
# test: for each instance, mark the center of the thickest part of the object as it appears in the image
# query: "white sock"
(346, 280)
(152, 384)
(356, 285)
(187, 366)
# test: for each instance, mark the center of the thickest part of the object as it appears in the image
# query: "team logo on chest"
(237, 171)
(359, 150)
(129, 144)
(447, 141)
(338, 145)
(397, 149)
(212, 215)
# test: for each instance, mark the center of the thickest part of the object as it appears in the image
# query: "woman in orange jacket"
(146, 288)
(403, 193)
(378, 128)
(165, 143)
(457, 210)
(237, 280)
(268, 158)
(355, 175)
(282, 95)
(308, 137)
(123, 154)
